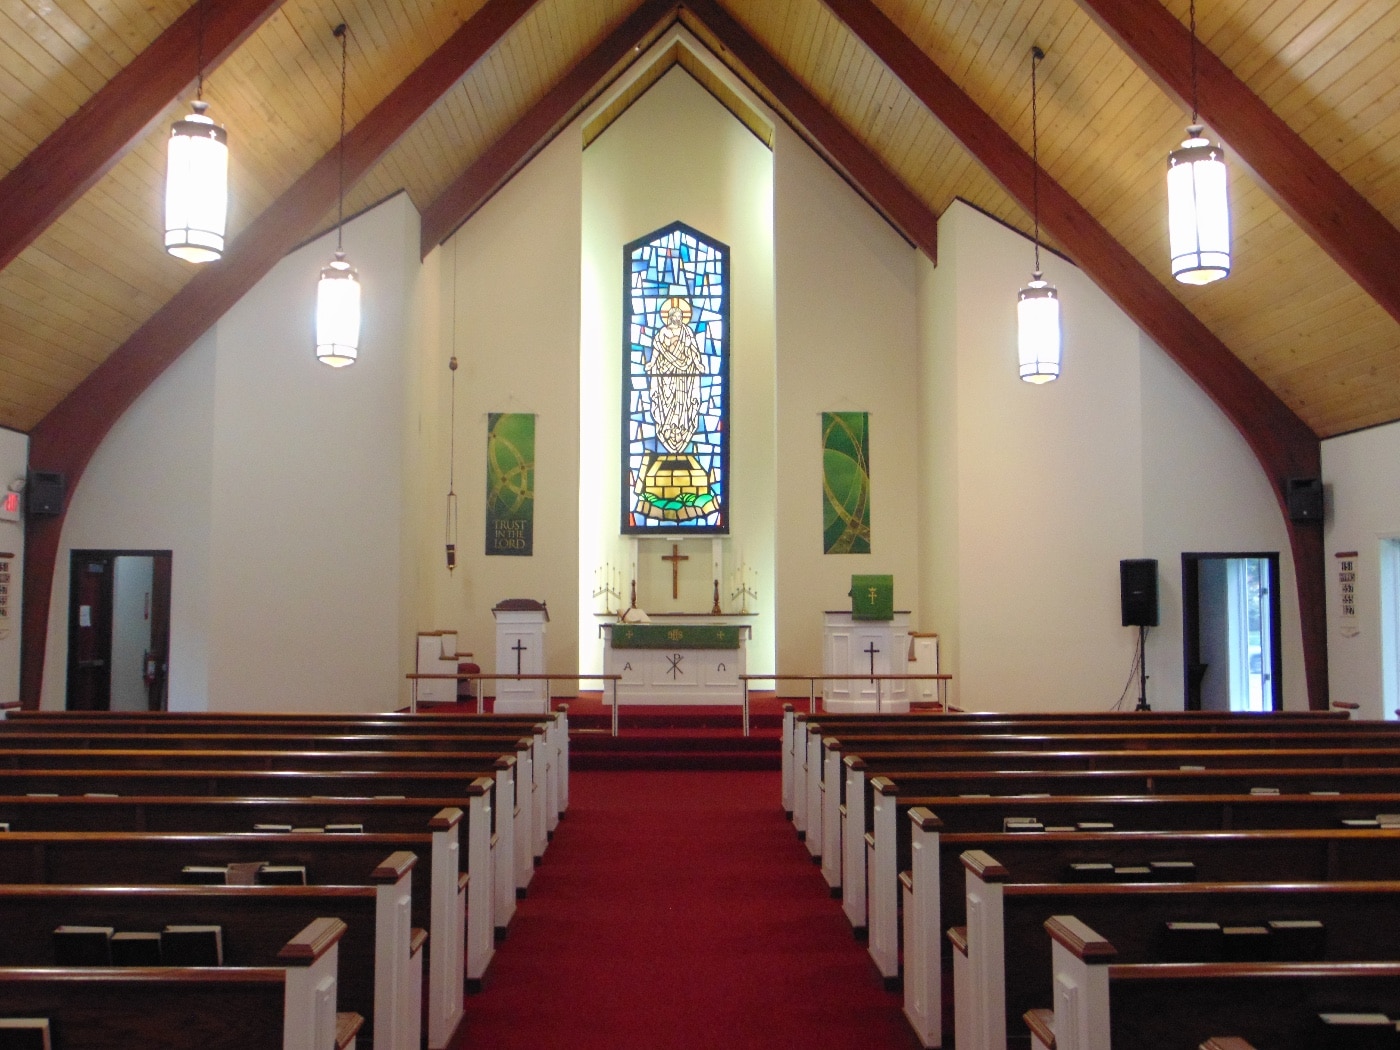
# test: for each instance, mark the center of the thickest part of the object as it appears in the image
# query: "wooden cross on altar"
(675, 558)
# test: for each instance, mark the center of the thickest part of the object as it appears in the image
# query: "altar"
(682, 660)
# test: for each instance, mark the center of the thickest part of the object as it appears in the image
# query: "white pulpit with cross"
(862, 648)
(520, 631)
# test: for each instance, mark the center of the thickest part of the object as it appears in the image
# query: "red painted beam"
(85, 146)
(1343, 223)
(844, 151)
(513, 150)
(66, 438)
(1283, 444)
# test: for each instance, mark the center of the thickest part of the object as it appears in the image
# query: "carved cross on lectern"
(871, 650)
(675, 558)
(520, 647)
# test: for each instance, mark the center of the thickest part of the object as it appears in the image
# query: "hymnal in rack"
(136, 949)
(83, 945)
(192, 945)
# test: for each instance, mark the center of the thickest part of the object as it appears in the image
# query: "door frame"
(159, 693)
(1191, 623)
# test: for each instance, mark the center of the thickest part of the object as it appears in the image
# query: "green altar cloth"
(674, 636)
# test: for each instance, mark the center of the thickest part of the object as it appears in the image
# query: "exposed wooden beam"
(843, 150)
(545, 119)
(85, 146)
(1343, 223)
(1284, 445)
(66, 438)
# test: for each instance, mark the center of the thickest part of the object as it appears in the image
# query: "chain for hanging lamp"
(452, 433)
(338, 291)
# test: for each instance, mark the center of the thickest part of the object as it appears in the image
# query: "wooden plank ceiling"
(1330, 69)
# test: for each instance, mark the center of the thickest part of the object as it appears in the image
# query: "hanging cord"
(1036, 56)
(452, 434)
(199, 53)
(1195, 116)
(343, 32)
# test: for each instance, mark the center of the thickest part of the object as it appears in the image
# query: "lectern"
(520, 631)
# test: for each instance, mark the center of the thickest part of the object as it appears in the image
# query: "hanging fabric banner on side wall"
(510, 483)
(846, 482)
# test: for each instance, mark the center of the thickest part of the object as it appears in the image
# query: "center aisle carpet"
(678, 910)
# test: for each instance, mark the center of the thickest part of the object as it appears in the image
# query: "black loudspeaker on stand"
(1137, 586)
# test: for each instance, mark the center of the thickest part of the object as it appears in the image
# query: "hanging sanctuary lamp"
(196, 176)
(1198, 203)
(338, 292)
(1037, 304)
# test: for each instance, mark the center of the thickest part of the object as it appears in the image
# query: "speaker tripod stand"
(1142, 704)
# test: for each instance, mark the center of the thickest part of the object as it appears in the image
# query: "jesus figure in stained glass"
(674, 368)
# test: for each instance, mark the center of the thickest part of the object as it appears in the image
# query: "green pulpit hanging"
(872, 597)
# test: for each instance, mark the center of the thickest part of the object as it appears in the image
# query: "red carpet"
(678, 910)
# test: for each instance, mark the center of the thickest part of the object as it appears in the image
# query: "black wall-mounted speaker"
(1137, 585)
(1304, 499)
(43, 493)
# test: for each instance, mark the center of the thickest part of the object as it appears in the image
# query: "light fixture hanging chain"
(343, 32)
(452, 364)
(1195, 115)
(199, 52)
(1036, 56)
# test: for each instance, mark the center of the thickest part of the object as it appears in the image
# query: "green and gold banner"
(846, 482)
(510, 483)
(674, 636)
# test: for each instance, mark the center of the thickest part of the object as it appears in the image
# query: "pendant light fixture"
(1037, 304)
(1198, 202)
(338, 292)
(196, 176)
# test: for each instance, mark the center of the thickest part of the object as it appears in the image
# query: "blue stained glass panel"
(675, 384)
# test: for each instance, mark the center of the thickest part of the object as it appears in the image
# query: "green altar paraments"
(846, 482)
(510, 483)
(872, 597)
(674, 636)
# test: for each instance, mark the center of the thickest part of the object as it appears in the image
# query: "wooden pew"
(810, 763)
(1103, 1005)
(1007, 956)
(291, 1005)
(472, 793)
(889, 851)
(934, 890)
(541, 771)
(151, 859)
(380, 956)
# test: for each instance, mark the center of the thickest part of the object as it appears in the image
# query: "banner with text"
(846, 482)
(510, 483)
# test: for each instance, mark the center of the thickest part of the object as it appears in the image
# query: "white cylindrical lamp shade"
(196, 188)
(1038, 331)
(338, 314)
(1198, 205)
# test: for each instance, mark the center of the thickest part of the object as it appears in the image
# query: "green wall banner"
(846, 482)
(510, 483)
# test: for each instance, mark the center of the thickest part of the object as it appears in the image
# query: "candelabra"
(607, 584)
(743, 585)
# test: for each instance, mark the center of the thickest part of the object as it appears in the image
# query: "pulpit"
(520, 631)
(854, 647)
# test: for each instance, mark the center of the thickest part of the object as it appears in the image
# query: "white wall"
(1362, 473)
(1048, 487)
(638, 176)
(847, 341)
(512, 273)
(276, 483)
(14, 460)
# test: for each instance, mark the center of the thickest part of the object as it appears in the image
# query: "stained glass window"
(675, 384)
